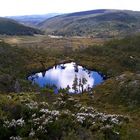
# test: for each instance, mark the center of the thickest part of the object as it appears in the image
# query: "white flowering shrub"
(43, 120)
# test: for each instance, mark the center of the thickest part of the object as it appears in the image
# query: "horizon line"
(37, 14)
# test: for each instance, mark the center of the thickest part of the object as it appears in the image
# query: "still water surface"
(70, 75)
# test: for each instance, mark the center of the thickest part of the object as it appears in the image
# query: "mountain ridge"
(98, 23)
(12, 27)
(32, 20)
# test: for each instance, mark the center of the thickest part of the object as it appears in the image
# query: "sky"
(30, 7)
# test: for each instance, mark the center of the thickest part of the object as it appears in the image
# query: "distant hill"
(11, 27)
(32, 20)
(96, 23)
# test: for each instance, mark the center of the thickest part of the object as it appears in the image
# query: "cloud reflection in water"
(64, 74)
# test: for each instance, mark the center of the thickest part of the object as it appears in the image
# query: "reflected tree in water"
(75, 84)
(84, 82)
(79, 84)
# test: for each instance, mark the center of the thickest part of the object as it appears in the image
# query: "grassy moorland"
(110, 113)
(43, 41)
